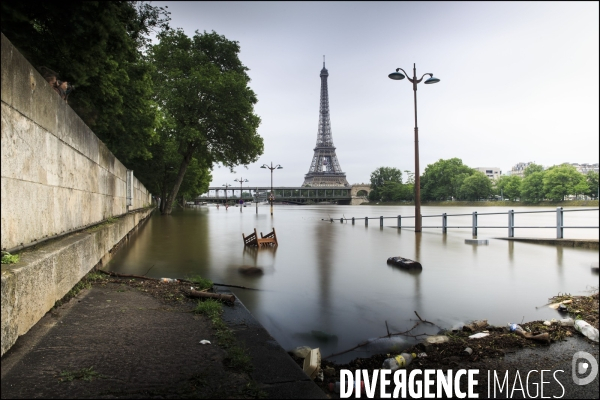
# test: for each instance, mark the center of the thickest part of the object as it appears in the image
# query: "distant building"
(519, 169)
(585, 168)
(491, 172)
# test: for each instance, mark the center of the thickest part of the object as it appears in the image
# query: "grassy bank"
(571, 203)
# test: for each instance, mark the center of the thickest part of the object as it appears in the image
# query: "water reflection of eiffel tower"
(325, 168)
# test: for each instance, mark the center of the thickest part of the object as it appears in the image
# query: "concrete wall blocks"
(43, 276)
(56, 175)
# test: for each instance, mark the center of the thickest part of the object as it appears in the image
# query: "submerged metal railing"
(474, 226)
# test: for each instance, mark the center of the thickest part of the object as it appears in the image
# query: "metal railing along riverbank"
(559, 226)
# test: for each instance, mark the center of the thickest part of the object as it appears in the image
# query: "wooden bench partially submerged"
(270, 239)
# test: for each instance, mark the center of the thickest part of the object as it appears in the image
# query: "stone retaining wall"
(56, 175)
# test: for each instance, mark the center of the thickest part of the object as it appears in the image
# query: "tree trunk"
(187, 158)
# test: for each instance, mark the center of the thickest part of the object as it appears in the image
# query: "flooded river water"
(328, 284)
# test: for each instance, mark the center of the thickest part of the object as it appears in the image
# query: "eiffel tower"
(325, 168)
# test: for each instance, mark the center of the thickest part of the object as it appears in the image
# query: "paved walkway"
(113, 341)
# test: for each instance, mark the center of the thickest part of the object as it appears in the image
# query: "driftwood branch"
(204, 295)
(423, 320)
(405, 333)
(366, 342)
(156, 279)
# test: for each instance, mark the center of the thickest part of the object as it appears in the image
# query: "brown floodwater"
(328, 284)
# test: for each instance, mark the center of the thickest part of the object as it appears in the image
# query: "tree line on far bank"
(452, 180)
(169, 111)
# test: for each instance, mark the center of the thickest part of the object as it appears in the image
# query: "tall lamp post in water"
(272, 197)
(398, 76)
(241, 181)
(226, 186)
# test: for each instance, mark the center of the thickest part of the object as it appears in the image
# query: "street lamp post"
(241, 181)
(226, 186)
(272, 197)
(397, 76)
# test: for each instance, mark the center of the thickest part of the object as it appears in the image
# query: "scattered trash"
(301, 351)
(555, 306)
(468, 351)
(404, 263)
(476, 241)
(542, 337)
(475, 326)
(401, 361)
(515, 328)
(562, 308)
(437, 339)
(586, 330)
(312, 363)
(479, 335)
(566, 322)
(547, 323)
(205, 342)
(422, 355)
(168, 280)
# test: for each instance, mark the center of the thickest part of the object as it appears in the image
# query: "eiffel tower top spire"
(325, 168)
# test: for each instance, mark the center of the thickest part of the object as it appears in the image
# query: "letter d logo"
(583, 367)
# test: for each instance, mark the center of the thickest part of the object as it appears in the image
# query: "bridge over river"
(353, 195)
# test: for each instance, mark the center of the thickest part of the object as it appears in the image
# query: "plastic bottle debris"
(335, 387)
(168, 280)
(437, 339)
(566, 322)
(401, 361)
(204, 341)
(586, 330)
(515, 328)
(479, 335)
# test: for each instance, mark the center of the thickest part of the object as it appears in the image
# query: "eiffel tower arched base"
(325, 179)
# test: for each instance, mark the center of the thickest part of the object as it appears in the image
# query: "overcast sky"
(519, 81)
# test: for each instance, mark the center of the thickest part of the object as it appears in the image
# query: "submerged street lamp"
(226, 186)
(272, 196)
(398, 76)
(241, 181)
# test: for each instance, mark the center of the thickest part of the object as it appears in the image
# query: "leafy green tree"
(443, 179)
(204, 96)
(531, 168)
(532, 187)
(592, 181)
(562, 180)
(379, 178)
(509, 186)
(97, 46)
(476, 186)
